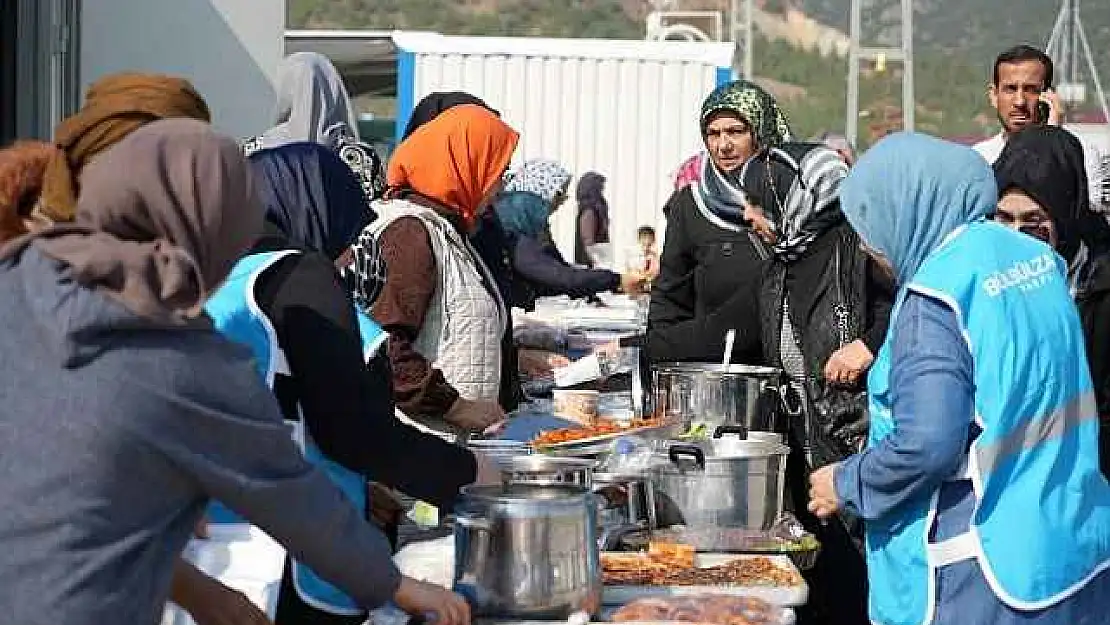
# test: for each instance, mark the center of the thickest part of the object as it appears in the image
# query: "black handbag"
(841, 414)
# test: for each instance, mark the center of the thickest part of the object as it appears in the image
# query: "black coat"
(1093, 300)
(709, 275)
(837, 295)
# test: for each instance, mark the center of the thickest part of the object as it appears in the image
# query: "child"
(645, 235)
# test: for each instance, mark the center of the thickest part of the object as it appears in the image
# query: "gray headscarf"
(312, 104)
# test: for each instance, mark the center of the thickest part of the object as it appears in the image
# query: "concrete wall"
(229, 49)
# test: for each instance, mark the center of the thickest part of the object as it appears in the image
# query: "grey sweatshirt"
(114, 434)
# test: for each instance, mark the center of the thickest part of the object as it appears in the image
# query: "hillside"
(974, 31)
(955, 40)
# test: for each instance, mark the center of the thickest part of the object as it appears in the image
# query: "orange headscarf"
(456, 159)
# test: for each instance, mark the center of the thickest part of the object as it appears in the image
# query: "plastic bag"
(631, 455)
(710, 609)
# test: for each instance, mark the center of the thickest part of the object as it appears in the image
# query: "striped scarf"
(797, 185)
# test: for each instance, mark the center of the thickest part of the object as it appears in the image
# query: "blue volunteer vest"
(237, 316)
(1041, 526)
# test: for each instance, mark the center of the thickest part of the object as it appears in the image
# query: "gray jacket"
(114, 434)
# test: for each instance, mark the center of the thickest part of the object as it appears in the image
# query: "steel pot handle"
(738, 430)
(474, 523)
(677, 451)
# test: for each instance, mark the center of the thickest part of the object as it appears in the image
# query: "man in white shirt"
(1022, 79)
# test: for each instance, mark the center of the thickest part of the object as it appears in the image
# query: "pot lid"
(543, 464)
(522, 492)
(721, 450)
(716, 367)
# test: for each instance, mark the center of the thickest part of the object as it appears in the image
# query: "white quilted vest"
(465, 321)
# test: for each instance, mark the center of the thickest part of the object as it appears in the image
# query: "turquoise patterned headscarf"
(757, 107)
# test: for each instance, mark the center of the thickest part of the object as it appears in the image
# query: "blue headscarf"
(311, 195)
(522, 213)
(910, 191)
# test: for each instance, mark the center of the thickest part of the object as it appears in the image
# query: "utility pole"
(742, 34)
(858, 53)
(1067, 41)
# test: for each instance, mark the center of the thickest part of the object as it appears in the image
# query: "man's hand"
(847, 364)
(823, 501)
(474, 415)
(1055, 107)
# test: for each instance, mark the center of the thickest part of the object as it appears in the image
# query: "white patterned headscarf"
(544, 177)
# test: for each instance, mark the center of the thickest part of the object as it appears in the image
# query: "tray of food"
(801, 546)
(596, 433)
(712, 609)
(676, 570)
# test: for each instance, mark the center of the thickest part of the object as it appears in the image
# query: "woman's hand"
(474, 415)
(538, 363)
(209, 602)
(634, 282)
(823, 501)
(847, 364)
(420, 598)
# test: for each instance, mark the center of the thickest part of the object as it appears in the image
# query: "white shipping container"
(626, 109)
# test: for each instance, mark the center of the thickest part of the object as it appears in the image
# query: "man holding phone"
(1022, 94)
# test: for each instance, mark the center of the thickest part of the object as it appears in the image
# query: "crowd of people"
(206, 332)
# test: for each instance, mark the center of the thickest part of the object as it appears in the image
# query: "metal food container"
(625, 503)
(527, 551)
(742, 395)
(544, 470)
(726, 483)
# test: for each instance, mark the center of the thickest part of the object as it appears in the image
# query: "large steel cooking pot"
(527, 551)
(546, 470)
(723, 483)
(692, 392)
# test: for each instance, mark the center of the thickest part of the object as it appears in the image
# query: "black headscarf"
(311, 195)
(435, 103)
(1047, 164)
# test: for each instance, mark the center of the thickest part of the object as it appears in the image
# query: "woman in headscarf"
(22, 166)
(823, 312)
(441, 306)
(1042, 181)
(592, 226)
(979, 487)
(534, 191)
(689, 171)
(40, 183)
(114, 107)
(711, 262)
(313, 106)
(152, 413)
(286, 297)
(433, 104)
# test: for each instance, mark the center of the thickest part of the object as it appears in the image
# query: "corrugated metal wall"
(632, 120)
